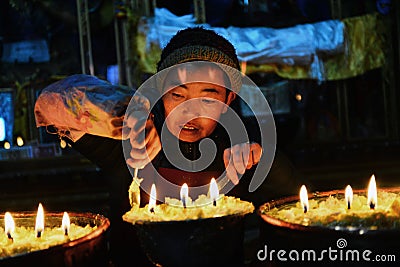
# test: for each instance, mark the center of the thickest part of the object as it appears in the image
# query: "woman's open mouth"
(188, 127)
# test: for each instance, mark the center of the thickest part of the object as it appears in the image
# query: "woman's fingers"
(239, 158)
(229, 167)
(145, 145)
(256, 152)
(240, 154)
(117, 122)
(141, 157)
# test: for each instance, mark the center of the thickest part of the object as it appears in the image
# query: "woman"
(194, 98)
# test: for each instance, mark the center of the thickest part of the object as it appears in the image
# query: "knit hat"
(199, 44)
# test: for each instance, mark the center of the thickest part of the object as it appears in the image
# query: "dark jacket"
(107, 153)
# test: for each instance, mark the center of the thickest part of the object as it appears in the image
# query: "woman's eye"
(177, 96)
(208, 101)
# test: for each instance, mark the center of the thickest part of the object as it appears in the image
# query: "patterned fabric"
(364, 48)
(363, 51)
(81, 104)
(190, 53)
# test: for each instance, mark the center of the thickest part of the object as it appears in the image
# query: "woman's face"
(194, 100)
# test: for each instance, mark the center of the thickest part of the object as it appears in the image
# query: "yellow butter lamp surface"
(333, 210)
(201, 208)
(24, 238)
(371, 209)
(34, 232)
(211, 206)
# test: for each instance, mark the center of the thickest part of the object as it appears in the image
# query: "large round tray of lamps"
(285, 225)
(85, 245)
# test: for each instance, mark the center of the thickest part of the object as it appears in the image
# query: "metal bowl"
(278, 234)
(89, 250)
(203, 242)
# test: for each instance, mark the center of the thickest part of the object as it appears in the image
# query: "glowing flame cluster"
(184, 194)
(372, 197)
(9, 225)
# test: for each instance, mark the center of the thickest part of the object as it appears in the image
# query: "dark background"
(340, 132)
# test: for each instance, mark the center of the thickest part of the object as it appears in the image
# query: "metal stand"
(84, 37)
(199, 11)
(391, 131)
(122, 43)
(123, 34)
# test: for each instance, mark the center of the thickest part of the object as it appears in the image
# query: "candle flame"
(65, 223)
(39, 226)
(184, 194)
(9, 225)
(153, 198)
(348, 195)
(7, 145)
(214, 192)
(372, 193)
(304, 198)
(20, 141)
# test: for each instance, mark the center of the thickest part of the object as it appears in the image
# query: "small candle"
(20, 141)
(153, 198)
(304, 198)
(214, 192)
(39, 226)
(372, 193)
(184, 194)
(65, 223)
(348, 195)
(9, 226)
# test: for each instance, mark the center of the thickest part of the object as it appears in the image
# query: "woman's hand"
(239, 158)
(143, 137)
